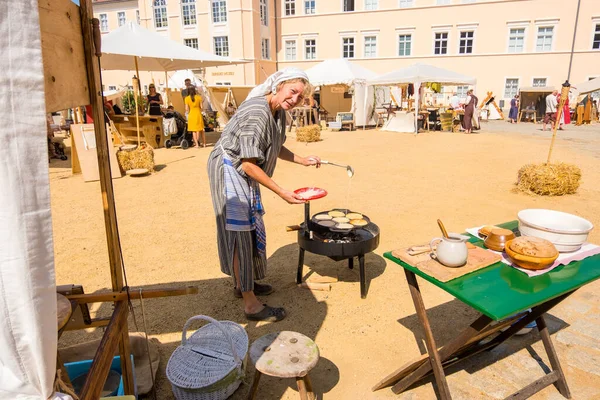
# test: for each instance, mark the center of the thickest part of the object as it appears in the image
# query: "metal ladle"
(349, 169)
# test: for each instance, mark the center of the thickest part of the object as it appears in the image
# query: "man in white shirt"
(454, 101)
(551, 107)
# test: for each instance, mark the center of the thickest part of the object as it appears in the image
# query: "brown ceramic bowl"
(497, 239)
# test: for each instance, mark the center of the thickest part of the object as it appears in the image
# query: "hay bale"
(549, 179)
(309, 133)
(141, 157)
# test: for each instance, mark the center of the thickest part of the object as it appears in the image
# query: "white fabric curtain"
(27, 283)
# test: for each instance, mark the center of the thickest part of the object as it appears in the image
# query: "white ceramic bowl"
(566, 231)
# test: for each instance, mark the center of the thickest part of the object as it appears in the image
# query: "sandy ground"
(403, 183)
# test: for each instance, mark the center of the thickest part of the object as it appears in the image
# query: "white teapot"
(451, 251)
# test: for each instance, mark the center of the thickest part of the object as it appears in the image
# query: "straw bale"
(141, 157)
(309, 133)
(549, 179)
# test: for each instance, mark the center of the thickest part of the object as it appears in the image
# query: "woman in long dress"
(193, 108)
(470, 105)
(513, 114)
(242, 161)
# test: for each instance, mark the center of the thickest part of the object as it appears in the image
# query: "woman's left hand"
(311, 160)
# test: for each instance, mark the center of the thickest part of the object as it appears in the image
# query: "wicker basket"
(210, 364)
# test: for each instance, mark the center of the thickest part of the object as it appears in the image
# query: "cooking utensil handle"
(291, 228)
(443, 228)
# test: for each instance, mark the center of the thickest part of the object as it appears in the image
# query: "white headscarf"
(270, 85)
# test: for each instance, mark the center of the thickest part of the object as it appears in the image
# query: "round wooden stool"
(285, 355)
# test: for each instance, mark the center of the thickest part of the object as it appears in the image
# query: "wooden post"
(108, 198)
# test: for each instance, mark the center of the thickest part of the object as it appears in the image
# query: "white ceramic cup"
(452, 252)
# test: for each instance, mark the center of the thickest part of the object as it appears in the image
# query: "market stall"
(342, 88)
(418, 75)
(533, 97)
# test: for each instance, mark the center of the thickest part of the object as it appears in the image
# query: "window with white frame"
(290, 50)
(309, 6)
(264, 12)
(511, 88)
(310, 49)
(404, 45)
(442, 2)
(219, 11)
(539, 82)
(160, 14)
(371, 4)
(221, 44)
(405, 3)
(467, 1)
(121, 18)
(290, 7)
(544, 38)
(596, 40)
(370, 46)
(137, 16)
(223, 83)
(348, 47)
(465, 45)
(516, 40)
(103, 23)
(265, 50)
(461, 91)
(110, 87)
(188, 12)
(193, 43)
(440, 43)
(348, 5)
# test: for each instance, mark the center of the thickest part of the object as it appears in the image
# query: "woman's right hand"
(291, 197)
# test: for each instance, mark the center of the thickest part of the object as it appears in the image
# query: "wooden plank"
(534, 387)
(96, 323)
(92, 51)
(65, 78)
(133, 294)
(85, 160)
(105, 353)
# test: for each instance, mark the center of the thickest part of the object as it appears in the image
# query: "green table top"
(500, 290)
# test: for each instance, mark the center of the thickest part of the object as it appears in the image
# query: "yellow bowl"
(529, 262)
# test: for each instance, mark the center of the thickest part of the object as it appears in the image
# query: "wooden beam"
(105, 353)
(96, 323)
(92, 52)
(133, 294)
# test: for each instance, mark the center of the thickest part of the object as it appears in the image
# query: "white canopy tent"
(590, 86)
(340, 71)
(152, 51)
(418, 74)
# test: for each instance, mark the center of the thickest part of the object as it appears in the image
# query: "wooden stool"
(285, 355)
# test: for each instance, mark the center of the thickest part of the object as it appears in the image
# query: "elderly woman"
(470, 105)
(244, 159)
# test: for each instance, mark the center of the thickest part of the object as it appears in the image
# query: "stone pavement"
(584, 137)
(574, 326)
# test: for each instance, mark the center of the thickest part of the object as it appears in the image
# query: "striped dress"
(252, 132)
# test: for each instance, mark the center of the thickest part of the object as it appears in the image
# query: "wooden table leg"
(351, 263)
(254, 387)
(434, 357)
(301, 383)
(561, 383)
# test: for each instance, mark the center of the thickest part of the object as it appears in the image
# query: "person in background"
(230, 110)
(470, 105)
(565, 117)
(513, 114)
(551, 106)
(454, 101)
(108, 108)
(193, 109)
(530, 112)
(154, 101)
(184, 92)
